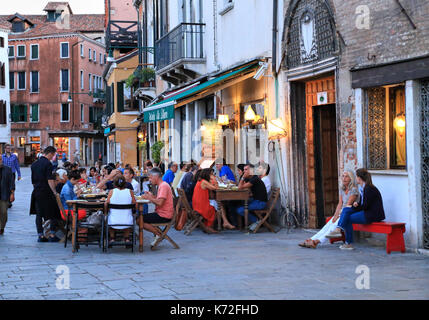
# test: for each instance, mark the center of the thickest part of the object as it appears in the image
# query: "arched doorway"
(311, 61)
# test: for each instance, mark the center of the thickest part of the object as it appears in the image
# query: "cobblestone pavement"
(231, 265)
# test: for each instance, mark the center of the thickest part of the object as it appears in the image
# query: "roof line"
(61, 35)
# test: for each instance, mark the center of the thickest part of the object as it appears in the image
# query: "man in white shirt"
(129, 177)
(263, 173)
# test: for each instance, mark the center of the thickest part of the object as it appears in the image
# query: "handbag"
(181, 219)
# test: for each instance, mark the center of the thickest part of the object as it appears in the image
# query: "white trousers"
(321, 235)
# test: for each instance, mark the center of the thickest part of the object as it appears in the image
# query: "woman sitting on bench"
(370, 209)
(348, 195)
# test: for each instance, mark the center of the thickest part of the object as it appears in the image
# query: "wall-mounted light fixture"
(276, 129)
(223, 120)
(250, 115)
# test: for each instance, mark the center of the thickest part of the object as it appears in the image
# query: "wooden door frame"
(312, 88)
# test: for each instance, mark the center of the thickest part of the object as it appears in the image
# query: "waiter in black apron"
(43, 203)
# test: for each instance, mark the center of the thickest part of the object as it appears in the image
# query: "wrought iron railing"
(183, 42)
(99, 94)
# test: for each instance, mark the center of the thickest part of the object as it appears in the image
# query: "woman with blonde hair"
(349, 193)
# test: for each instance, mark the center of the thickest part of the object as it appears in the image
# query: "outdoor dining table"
(225, 194)
(99, 204)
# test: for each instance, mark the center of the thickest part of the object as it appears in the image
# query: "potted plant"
(156, 150)
(146, 76)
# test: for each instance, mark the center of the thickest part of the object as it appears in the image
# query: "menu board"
(212, 142)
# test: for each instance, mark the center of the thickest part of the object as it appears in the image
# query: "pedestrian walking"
(7, 193)
(43, 202)
(11, 160)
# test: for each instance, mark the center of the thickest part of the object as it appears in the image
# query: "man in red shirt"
(163, 204)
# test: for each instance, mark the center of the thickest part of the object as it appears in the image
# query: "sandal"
(313, 244)
(305, 244)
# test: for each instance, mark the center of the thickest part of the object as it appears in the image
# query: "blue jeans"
(347, 219)
(253, 205)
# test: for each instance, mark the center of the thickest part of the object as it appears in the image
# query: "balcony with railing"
(121, 35)
(179, 55)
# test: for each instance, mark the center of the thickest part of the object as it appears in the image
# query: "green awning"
(167, 105)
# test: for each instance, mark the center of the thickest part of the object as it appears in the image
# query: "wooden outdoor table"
(221, 195)
(99, 204)
(141, 203)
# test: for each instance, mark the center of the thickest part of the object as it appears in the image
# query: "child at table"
(120, 195)
(67, 194)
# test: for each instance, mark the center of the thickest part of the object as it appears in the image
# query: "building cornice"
(62, 35)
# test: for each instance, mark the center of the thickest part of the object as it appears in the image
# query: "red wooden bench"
(394, 230)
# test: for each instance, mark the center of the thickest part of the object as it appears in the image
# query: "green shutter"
(15, 113)
(35, 113)
(91, 115)
(108, 100)
(25, 113)
(120, 96)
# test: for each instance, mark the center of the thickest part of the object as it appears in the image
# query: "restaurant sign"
(160, 114)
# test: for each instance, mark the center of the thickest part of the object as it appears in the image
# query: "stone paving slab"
(231, 265)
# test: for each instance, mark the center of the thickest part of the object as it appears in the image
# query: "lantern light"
(250, 114)
(276, 129)
(223, 120)
(399, 124)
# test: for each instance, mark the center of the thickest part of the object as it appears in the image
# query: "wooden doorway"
(314, 90)
(325, 159)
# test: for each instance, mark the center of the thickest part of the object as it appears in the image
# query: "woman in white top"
(120, 195)
(348, 195)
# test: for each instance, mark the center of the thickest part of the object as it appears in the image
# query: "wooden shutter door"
(120, 96)
(3, 119)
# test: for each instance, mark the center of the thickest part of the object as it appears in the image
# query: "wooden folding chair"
(166, 227)
(263, 215)
(194, 218)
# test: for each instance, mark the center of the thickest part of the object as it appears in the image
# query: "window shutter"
(35, 113)
(25, 113)
(120, 96)
(91, 114)
(3, 75)
(14, 113)
(3, 119)
(108, 100)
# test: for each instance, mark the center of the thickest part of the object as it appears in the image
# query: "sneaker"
(346, 247)
(253, 226)
(54, 239)
(155, 240)
(42, 239)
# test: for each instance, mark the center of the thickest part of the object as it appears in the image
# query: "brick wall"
(390, 36)
(377, 33)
